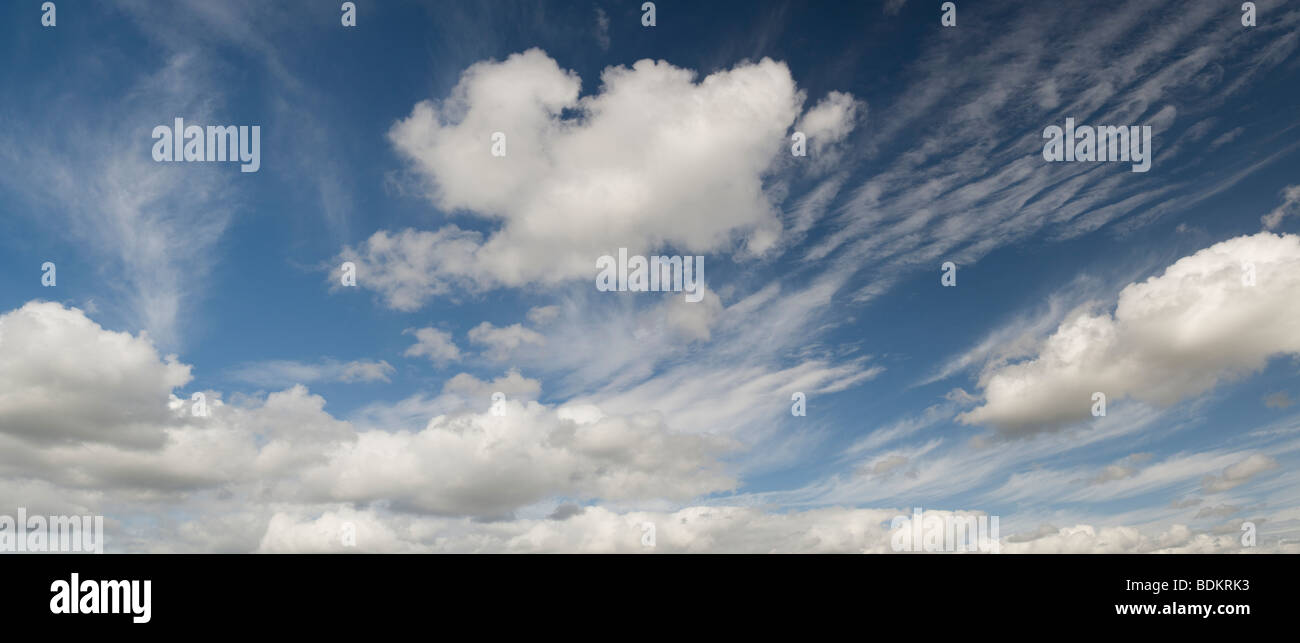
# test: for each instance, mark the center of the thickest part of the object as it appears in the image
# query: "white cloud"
(1239, 473)
(541, 315)
(288, 372)
(956, 175)
(1177, 539)
(1225, 138)
(366, 371)
(887, 465)
(602, 29)
(828, 123)
(1016, 339)
(434, 344)
(280, 474)
(1220, 511)
(502, 341)
(653, 159)
(488, 465)
(63, 379)
(1290, 207)
(692, 320)
(86, 408)
(1170, 337)
(703, 529)
(1176, 475)
(153, 227)
(410, 266)
(699, 529)
(512, 384)
(1126, 468)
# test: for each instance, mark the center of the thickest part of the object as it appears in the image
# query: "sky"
(918, 312)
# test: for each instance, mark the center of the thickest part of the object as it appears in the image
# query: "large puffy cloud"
(698, 529)
(489, 465)
(279, 473)
(91, 411)
(705, 529)
(1177, 539)
(654, 159)
(84, 408)
(63, 378)
(1173, 336)
(258, 444)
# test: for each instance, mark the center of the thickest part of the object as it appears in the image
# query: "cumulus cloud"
(500, 342)
(1177, 539)
(702, 529)
(410, 266)
(278, 473)
(699, 529)
(1173, 336)
(827, 123)
(488, 465)
(512, 384)
(655, 158)
(434, 344)
(54, 366)
(86, 408)
(257, 444)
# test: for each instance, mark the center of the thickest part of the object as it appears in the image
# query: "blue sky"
(331, 408)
